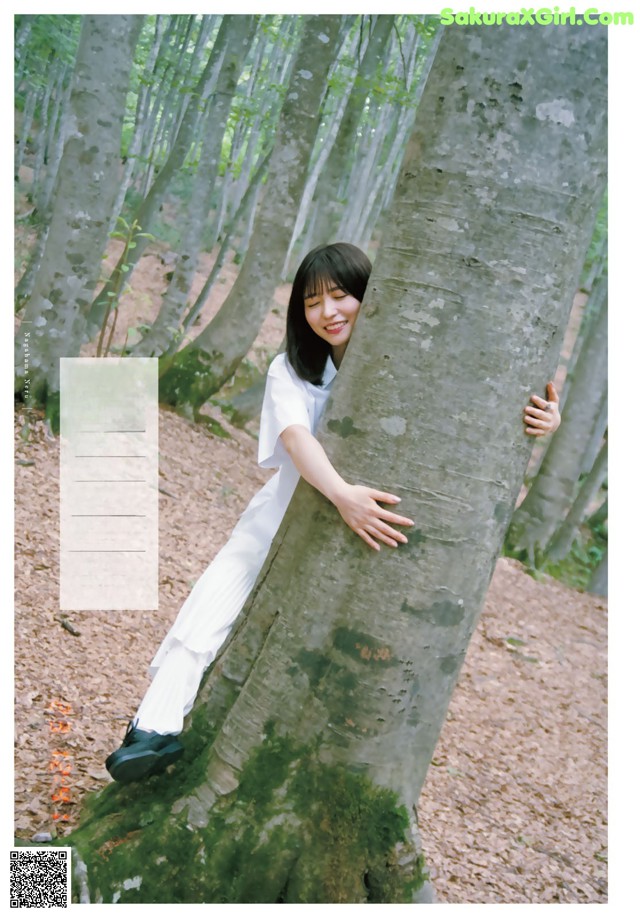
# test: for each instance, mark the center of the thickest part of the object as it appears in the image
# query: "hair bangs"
(321, 276)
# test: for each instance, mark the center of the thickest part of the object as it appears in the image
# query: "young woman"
(325, 299)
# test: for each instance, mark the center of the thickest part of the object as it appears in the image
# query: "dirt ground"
(514, 809)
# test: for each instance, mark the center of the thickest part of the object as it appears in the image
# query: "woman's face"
(332, 313)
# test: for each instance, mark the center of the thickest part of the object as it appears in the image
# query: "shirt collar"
(329, 372)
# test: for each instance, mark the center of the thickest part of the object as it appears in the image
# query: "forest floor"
(514, 809)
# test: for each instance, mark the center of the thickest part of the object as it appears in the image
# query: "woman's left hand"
(543, 417)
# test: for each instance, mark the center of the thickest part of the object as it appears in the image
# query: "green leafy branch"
(130, 233)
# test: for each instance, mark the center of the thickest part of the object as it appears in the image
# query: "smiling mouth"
(335, 327)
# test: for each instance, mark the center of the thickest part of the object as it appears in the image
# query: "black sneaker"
(143, 753)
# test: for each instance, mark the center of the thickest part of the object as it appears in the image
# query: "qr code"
(40, 877)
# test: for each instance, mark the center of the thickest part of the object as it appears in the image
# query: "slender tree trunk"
(40, 139)
(24, 288)
(192, 375)
(55, 141)
(598, 264)
(551, 493)
(361, 181)
(599, 583)
(162, 78)
(238, 35)
(244, 208)
(334, 108)
(155, 196)
(249, 215)
(173, 100)
(142, 110)
(27, 120)
(561, 543)
(327, 195)
(600, 516)
(187, 75)
(385, 181)
(278, 74)
(309, 741)
(599, 431)
(55, 317)
(594, 304)
(20, 41)
(249, 132)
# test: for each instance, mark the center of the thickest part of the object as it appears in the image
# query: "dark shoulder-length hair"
(340, 264)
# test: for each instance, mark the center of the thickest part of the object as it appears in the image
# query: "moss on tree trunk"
(295, 830)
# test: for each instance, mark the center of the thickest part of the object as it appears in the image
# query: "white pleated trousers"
(206, 618)
(173, 691)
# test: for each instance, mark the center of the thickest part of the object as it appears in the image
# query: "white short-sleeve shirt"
(205, 618)
(289, 400)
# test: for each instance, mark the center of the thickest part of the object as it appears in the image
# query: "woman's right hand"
(358, 507)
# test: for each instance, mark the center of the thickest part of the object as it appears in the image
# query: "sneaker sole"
(126, 766)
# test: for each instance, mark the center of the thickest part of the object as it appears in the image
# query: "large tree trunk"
(310, 739)
(55, 316)
(192, 375)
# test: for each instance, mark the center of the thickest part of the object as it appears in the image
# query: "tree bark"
(332, 114)
(40, 136)
(140, 121)
(55, 316)
(551, 493)
(594, 304)
(27, 120)
(267, 102)
(310, 738)
(155, 195)
(599, 583)
(327, 193)
(561, 543)
(600, 516)
(55, 141)
(191, 376)
(242, 213)
(145, 166)
(599, 431)
(384, 182)
(238, 35)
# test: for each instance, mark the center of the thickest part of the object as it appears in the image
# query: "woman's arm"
(355, 503)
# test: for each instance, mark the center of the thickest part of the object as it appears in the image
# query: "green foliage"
(577, 568)
(128, 233)
(50, 36)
